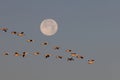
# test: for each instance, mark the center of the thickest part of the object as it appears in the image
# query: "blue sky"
(89, 27)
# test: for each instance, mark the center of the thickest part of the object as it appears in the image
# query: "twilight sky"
(89, 27)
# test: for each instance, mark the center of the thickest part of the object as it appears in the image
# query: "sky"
(89, 27)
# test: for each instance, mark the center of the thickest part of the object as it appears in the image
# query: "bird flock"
(70, 52)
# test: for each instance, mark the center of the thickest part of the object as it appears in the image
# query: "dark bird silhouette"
(24, 54)
(44, 43)
(47, 55)
(70, 59)
(60, 57)
(6, 53)
(56, 48)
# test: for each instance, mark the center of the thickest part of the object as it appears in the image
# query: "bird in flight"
(29, 40)
(72, 57)
(20, 34)
(91, 61)
(47, 55)
(68, 50)
(6, 53)
(4, 29)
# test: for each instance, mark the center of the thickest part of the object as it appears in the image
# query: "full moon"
(48, 27)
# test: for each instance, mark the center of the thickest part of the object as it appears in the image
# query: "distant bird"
(6, 53)
(16, 54)
(36, 53)
(21, 34)
(59, 57)
(29, 40)
(44, 43)
(4, 29)
(91, 61)
(70, 59)
(24, 54)
(47, 55)
(73, 54)
(56, 48)
(14, 32)
(68, 50)
(79, 57)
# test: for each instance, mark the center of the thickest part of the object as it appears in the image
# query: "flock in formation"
(72, 54)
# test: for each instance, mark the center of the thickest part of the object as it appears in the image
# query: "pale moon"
(48, 27)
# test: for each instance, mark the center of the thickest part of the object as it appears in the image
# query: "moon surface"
(48, 27)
